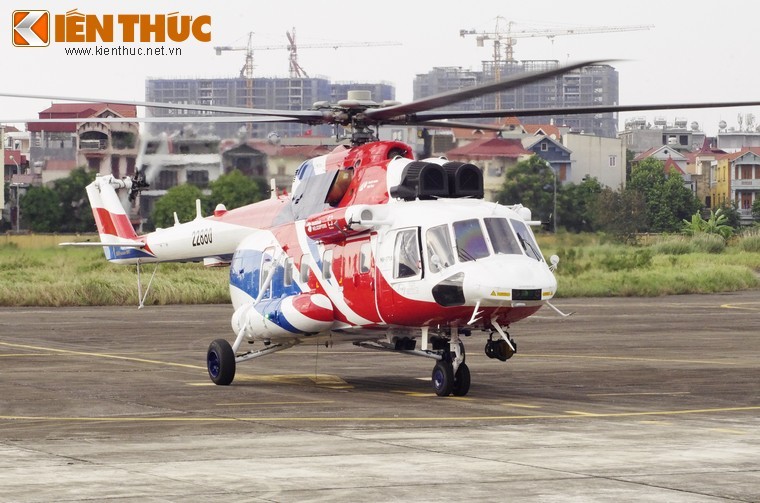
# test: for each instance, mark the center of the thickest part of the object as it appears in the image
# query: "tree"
(41, 210)
(731, 210)
(621, 213)
(576, 205)
(716, 224)
(179, 199)
(234, 190)
(76, 212)
(668, 201)
(756, 209)
(530, 183)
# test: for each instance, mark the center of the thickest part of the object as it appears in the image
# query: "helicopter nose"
(508, 279)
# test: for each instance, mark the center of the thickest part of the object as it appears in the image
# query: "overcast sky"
(693, 52)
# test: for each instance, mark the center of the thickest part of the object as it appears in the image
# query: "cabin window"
(471, 244)
(304, 269)
(327, 260)
(287, 278)
(406, 254)
(525, 237)
(440, 253)
(267, 263)
(365, 256)
(502, 238)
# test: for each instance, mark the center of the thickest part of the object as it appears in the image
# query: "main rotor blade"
(308, 116)
(458, 95)
(166, 120)
(579, 110)
(457, 124)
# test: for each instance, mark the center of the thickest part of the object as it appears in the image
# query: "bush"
(750, 242)
(708, 243)
(673, 246)
(625, 261)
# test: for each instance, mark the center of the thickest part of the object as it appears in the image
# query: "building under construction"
(592, 85)
(266, 92)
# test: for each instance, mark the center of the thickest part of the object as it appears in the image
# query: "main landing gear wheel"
(443, 378)
(220, 361)
(461, 380)
(446, 382)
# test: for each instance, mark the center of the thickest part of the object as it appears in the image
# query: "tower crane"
(509, 35)
(506, 36)
(296, 70)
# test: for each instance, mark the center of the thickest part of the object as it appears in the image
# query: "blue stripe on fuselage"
(245, 274)
(124, 253)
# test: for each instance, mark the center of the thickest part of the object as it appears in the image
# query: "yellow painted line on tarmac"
(653, 393)
(101, 355)
(630, 358)
(19, 355)
(521, 405)
(417, 394)
(333, 419)
(579, 413)
(321, 380)
(728, 430)
(741, 306)
(305, 402)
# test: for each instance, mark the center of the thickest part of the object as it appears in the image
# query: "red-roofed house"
(106, 147)
(736, 177)
(494, 156)
(664, 153)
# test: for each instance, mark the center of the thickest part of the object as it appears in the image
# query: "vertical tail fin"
(111, 219)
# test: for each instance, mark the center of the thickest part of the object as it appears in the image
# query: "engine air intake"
(423, 180)
(465, 180)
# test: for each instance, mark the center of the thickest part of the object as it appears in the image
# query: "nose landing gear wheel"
(220, 362)
(443, 378)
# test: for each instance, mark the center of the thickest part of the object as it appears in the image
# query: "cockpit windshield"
(525, 238)
(502, 238)
(506, 237)
(471, 244)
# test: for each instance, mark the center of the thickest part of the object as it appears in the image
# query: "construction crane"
(296, 70)
(509, 35)
(506, 36)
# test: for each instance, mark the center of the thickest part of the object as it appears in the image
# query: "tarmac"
(630, 399)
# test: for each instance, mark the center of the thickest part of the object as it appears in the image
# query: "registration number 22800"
(202, 237)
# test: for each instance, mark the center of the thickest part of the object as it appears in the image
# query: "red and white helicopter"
(370, 246)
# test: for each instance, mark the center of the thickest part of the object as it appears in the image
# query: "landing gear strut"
(451, 374)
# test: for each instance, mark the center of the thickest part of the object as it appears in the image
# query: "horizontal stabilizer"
(128, 244)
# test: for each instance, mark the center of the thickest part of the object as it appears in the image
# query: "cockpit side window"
(502, 238)
(439, 250)
(339, 186)
(525, 237)
(471, 244)
(406, 254)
